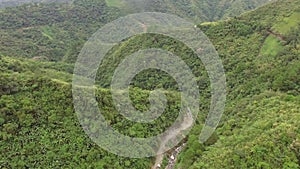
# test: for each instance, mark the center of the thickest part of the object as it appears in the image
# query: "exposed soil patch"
(278, 35)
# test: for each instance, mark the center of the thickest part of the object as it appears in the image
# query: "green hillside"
(12, 3)
(58, 31)
(200, 10)
(38, 126)
(259, 128)
(55, 31)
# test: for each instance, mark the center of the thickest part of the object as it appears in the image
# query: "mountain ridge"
(30, 26)
(259, 128)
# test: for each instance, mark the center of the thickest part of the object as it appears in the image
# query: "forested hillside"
(261, 55)
(38, 126)
(57, 31)
(12, 3)
(199, 11)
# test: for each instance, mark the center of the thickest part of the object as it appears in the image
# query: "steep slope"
(260, 51)
(260, 126)
(57, 31)
(39, 128)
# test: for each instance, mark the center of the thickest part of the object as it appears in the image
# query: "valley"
(259, 49)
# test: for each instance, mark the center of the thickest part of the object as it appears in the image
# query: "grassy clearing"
(285, 26)
(272, 46)
(114, 3)
(47, 32)
(57, 75)
(209, 23)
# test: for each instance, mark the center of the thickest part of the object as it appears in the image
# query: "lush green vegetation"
(39, 128)
(115, 3)
(54, 31)
(272, 46)
(259, 128)
(12, 3)
(200, 10)
(58, 31)
(287, 24)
